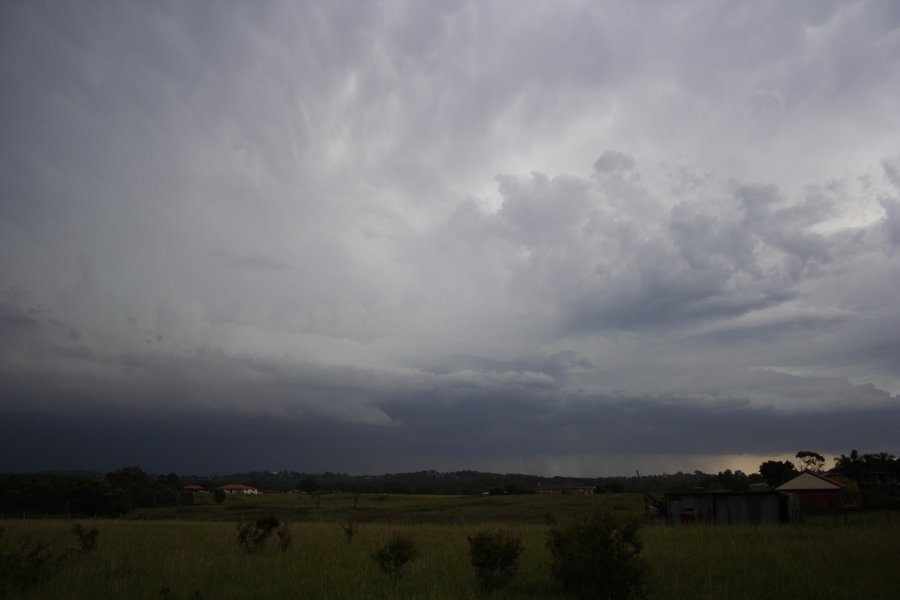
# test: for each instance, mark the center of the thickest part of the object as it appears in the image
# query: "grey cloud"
(388, 216)
(615, 164)
(254, 262)
(892, 221)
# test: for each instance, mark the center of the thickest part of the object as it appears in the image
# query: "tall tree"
(776, 472)
(811, 461)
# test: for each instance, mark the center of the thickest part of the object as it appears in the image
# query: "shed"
(727, 508)
(816, 494)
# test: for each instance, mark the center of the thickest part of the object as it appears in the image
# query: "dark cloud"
(478, 431)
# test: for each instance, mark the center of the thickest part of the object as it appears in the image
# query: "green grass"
(136, 558)
(811, 560)
(400, 509)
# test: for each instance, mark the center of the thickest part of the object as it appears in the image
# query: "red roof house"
(238, 488)
(816, 494)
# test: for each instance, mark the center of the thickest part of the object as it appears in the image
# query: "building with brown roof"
(238, 488)
(816, 494)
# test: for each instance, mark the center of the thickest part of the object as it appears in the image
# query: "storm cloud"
(382, 236)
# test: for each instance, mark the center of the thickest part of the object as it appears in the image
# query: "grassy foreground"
(138, 558)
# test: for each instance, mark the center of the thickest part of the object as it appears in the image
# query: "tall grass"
(136, 559)
(813, 560)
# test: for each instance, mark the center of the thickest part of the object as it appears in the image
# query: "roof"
(565, 486)
(722, 493)
(809, 481)
(236, 486)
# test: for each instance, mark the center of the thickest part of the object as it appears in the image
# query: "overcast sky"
(546, 237)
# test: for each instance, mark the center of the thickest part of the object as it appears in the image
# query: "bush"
(26, 566)
(87, 539)
(349, 531)
(284, 537)
(252, 536)
(394, 556)
(166, 593)
(598, 558)
(495, 558)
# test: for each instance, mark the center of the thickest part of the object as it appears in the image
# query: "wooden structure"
(728, 508)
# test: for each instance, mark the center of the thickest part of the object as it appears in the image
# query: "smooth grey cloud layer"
(510, 236)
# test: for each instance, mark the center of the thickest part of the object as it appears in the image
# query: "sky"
(559, 238)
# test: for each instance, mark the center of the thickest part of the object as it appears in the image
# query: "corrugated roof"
(808, 480)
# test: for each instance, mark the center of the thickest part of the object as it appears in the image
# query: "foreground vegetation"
(201, 558)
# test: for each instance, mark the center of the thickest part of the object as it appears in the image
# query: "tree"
(308, 485)
(776, 472)
(736, 481)
(598, 558)
(851, 466)
(811, 461)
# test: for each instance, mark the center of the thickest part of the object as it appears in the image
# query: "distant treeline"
(445, 483)
(83, 494)
(872, 477)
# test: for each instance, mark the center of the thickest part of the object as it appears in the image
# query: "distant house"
(816, 494)
(238, 488)
(728, 508)
(194, 488)
(566, 489)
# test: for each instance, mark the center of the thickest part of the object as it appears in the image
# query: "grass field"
(400, 508)
(197, 556)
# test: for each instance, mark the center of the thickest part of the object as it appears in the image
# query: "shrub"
(394, 556)
(87, 539)
(349, 531)
(284, 537)
(166, 593)
(495, 558)
(252, 536)
(598, 557)
(26, 566)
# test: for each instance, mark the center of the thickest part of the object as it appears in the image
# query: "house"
(816, 494)
(238, 488)
(728, 508)
(566, 489)
(194, 488)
